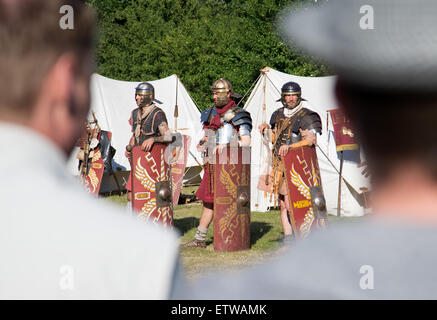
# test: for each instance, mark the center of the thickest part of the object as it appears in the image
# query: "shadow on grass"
(186, 224)
(258, 230)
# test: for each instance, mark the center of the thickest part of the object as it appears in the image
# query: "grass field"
(265, 233)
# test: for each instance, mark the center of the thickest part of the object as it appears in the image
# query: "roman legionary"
(291, 126)
(95, 147)
(149, 124)
(224, 123)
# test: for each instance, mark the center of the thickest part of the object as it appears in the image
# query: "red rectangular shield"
(151, 174)
(93, 180)
(302, 174)
(232, 199)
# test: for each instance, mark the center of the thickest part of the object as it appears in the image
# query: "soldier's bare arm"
(165, 137)
(262, 127)
(219, 148)
(268, 133)
(308, 139)
(309, 136)
(147, 144)
(202, 143)
(131, 143)
(245, 141)
(283, 150)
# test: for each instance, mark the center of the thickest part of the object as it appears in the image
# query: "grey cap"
(388, 44)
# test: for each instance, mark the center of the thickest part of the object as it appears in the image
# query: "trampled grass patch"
(265, 237)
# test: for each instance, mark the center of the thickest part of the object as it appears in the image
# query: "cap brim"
(401, 45)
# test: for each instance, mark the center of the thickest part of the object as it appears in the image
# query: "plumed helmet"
(291, 88)
(221, 85)
(145, 89)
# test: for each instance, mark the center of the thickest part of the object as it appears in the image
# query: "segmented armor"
(287, 128)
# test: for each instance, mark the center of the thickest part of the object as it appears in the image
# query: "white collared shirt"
(57, 242)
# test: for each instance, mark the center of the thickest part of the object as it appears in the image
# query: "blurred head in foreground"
(45, 63)
(384, 54)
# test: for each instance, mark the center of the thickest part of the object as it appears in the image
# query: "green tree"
(199, 40)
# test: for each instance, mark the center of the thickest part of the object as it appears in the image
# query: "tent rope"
(249, 90)
(248, 102)
(279, 91)
(329, 160)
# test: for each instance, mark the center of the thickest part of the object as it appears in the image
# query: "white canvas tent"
(113, 101)
(318, 91)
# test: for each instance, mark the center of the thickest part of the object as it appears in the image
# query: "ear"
(63, 81)
(55, 91)
(52, 113)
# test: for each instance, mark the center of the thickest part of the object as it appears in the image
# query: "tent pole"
(264, 109)
(132, 170)
(176, 110)
(264, 99)
(339, 184)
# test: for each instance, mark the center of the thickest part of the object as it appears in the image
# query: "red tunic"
(205, 191)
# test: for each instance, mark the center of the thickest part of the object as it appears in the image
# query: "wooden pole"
(176, 109)
(339, 184)
(263, 71)
(132, 169)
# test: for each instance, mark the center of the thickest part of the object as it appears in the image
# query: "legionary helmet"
(290, 88)
(222, 87)
(145, 89)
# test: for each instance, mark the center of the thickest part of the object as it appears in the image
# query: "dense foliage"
(199, 40)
